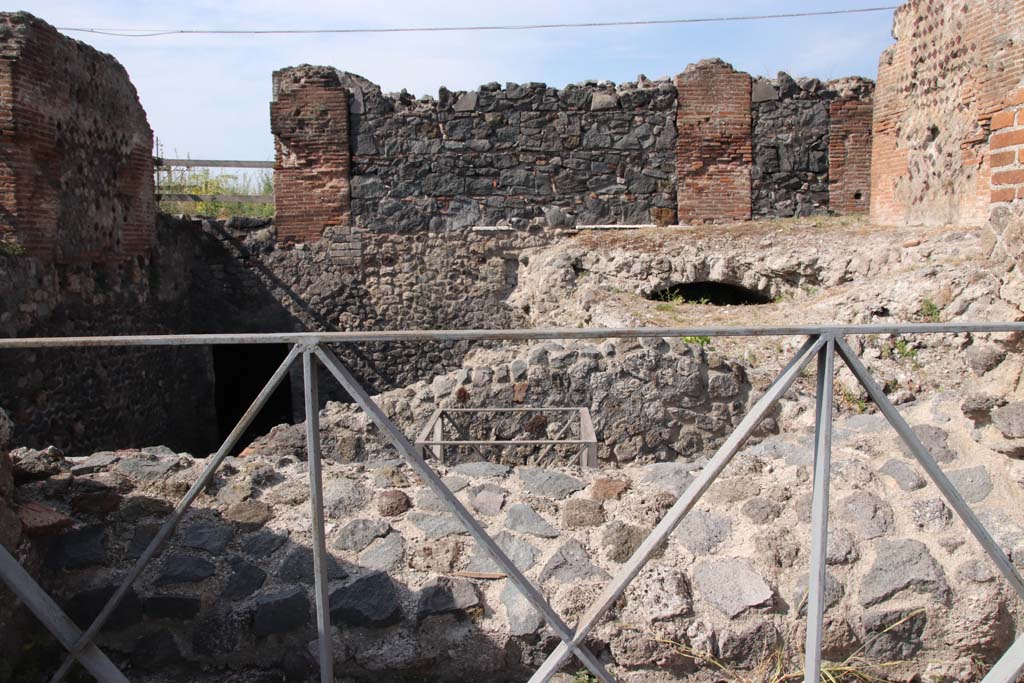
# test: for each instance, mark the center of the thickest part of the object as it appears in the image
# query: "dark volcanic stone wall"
(92, 398)
(586, 154)
(80, 255)
(243, 281)
(790, 135)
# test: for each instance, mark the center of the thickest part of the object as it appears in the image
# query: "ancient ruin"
(714, 199)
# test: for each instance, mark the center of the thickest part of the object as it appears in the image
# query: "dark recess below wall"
(241, 371)
(714, 293)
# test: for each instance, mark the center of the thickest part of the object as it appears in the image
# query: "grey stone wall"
(85, 399)
(231, 597)
(592, 153)
(243, 282)
(790, 136)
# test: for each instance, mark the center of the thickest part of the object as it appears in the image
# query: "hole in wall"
(858, 195)
(240, 372)
(713, 293)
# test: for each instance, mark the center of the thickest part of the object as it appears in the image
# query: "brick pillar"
(76, 167)
(1007, 150)
(309, 120)
(849, 155)
(713, 153)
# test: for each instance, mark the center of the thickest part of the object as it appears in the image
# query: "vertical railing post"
(588, 457)
(439, 436)
(316, 503)
(819, 513)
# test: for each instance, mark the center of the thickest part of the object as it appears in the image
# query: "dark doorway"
(240, 372)
(713, 293)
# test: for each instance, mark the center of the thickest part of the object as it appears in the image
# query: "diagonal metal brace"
(1009, 666)
(410, 454)
(55, 621)
(172, 521)
(931, 467)
(682, 506)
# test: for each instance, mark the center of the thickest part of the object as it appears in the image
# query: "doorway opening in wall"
(240, 372)
(713, 293)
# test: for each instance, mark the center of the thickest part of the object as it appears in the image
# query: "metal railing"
(160, 163)
(823, 343)
(431, 438)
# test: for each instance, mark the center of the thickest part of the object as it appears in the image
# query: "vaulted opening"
(712, 293)
(240, 372)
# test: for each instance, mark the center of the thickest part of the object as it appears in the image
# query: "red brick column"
(309, 120)
(714, 152)
(849, 155)
(1007, 150)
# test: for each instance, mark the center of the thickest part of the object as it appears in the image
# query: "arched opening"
(240, 372)
(713, 293)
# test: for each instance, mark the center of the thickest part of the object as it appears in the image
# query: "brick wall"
(701, 149)
(309, 120)
(76, 184)
(1007, 150)
(849, 155)
(938, 88)
(713, 153)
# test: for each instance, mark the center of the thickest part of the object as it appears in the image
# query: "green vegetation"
(851, 400)
(172, 180)
(929, 311)
(702, 340)
(668, 297)
(904, 350)
(584, 676)
(10, 248)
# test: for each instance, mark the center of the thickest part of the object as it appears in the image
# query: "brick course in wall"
(309, 120)
(849, 155)
(938, 89)
(529, 155)
(713, 152)
(1007, 150)
(76, 184)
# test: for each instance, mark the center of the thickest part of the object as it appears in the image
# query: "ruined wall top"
(77, 182)
(949, 72)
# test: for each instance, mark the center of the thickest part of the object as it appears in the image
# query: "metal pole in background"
(613, 591)
(316, 504)
(819, 513)
(931, 467)
(439, 436)
(172, 521)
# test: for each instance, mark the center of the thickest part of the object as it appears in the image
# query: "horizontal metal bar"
(227, 198)
(511, 410)
(211, 163)
(520, 334)
(536, 442)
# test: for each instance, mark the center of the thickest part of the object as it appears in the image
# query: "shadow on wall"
(242, 281)
(226, 595)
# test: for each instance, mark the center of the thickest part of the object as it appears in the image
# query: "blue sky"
(207, 96)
